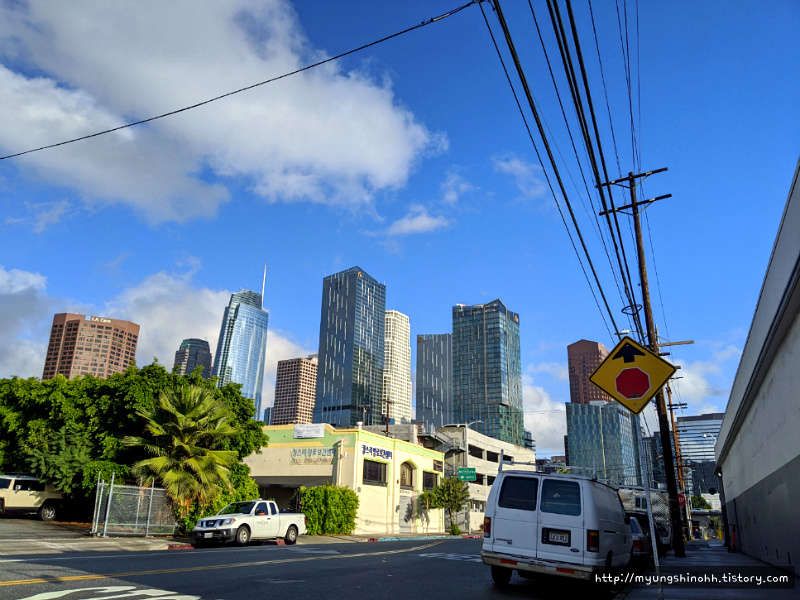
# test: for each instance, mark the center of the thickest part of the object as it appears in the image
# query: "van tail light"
(592, 540)
(487, 527)
(638, 545)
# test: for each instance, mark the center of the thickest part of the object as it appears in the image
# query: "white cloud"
(325, 135)
(527, 177)
(556, 370)
(455, 186)
(416, 221)
(544, 417)
(24, 323)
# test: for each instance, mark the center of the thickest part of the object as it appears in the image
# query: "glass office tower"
(434, 380)
(697, 436)
(193, 353)
(603, 440)
(242, 346)
(487, 370)
(351, 350)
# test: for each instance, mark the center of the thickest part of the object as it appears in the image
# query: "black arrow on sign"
(628, 353)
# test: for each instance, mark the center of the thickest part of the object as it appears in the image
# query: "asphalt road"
(441, 569)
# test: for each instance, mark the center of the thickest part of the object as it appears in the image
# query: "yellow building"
(387, 474)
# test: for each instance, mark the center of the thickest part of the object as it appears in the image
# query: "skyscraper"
(242, 345)
(697, 451)
(83, 344)
(435, 379)
(193, 353)
(602, 439)
(351, 353)
(487, 370)
(583, 358)
(295, 389)
(397, 367)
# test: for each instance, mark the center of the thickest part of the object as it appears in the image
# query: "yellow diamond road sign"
(632, 374)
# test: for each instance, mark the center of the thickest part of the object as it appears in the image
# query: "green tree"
(451, 495)
(426, 501)
(700, 503)
(186, 431)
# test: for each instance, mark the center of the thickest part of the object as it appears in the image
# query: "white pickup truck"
(241, 522)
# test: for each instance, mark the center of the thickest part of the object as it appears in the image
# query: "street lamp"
(708, 435)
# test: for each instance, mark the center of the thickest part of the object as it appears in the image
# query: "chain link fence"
(130, 510)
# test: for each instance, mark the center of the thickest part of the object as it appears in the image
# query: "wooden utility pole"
(388, 403)
(661, 408)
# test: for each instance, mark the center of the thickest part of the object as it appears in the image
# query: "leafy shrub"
(454, 530)
(329, 509)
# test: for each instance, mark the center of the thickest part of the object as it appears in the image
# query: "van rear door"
(514, 527)
(561, 521)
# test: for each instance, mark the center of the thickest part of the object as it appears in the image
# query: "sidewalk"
(706, 559)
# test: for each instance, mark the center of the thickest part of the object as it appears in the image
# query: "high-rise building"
(603, 440)
(351, 354)
(193, 353)
(295, 389)
(83, 344)
(242, 345)
(583, 358)
(434, 380)
(697, 436)
(487, 370)
(397, 367)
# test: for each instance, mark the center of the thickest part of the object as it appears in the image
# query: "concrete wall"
(758, 449)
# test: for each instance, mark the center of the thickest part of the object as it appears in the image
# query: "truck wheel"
(291, 535)
(501, 576)
(47, 512)
(242, 536)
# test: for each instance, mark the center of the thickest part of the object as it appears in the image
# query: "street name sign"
(632, 374)
(466, 474)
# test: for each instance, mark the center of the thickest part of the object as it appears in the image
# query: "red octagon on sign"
(633, 383)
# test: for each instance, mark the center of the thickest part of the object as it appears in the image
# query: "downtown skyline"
(379, 159)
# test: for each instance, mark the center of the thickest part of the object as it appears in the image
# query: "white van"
(537, 523)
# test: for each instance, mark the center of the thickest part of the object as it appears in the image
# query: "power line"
(249, 87)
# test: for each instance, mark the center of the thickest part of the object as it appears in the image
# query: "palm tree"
(186, 429)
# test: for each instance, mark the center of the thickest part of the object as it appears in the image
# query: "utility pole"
(661, 408)
(388, 403)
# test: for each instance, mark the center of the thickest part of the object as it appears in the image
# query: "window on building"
(374, 472)
(406, 475)
(429, 480)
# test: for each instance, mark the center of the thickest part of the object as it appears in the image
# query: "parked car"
(554, 524)
(662, 539)
(241, 522)
(24, 494)
(641, 547)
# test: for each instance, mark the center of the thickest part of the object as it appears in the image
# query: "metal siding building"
(434, 380)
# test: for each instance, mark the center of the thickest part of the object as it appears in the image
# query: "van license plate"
(559, 537)
(208, 535)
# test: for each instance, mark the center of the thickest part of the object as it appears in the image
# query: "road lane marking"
(209, 567)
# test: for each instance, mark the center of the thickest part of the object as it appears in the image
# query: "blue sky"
(409, 159)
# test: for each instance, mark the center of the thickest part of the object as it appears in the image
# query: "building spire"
(263, 285)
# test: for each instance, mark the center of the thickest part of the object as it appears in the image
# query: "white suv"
(26, 494)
